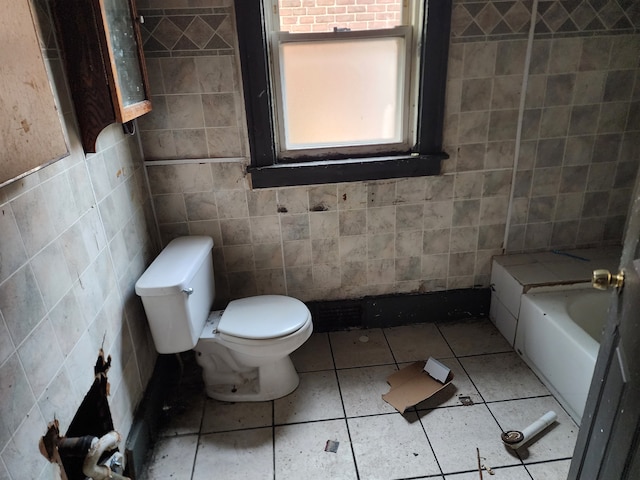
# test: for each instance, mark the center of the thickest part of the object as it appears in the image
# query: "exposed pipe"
(90, 466)
(515, 439)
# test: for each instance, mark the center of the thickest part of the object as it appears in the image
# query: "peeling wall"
(74, 238)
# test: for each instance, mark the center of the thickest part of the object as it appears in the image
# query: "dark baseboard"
(368, 312)
(400, 309)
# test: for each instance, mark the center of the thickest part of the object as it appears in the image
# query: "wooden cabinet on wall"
(31, 134)
(102, 48)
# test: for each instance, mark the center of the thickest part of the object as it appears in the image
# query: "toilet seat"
(263, 317)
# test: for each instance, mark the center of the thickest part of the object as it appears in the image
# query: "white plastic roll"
(515, 439)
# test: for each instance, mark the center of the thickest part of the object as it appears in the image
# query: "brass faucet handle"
(603, 279)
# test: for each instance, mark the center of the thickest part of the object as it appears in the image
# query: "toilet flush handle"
(188, 291)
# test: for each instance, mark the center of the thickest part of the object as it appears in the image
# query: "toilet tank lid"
(263, 316)
(175, 267)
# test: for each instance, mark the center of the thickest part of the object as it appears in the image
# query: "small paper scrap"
(331, 446)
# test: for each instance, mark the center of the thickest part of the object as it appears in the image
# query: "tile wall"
(576, 161)
(74, 237)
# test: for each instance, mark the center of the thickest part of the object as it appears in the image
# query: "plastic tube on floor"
(515, 439)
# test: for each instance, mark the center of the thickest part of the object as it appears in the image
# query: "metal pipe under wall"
(96, 471)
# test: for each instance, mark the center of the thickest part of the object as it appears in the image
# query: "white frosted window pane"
(338, 93)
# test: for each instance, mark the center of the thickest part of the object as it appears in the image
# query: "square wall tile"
(22, 306)
(12, 250)
(16, 397)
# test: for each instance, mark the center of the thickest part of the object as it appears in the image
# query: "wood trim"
(252, 43)
(314, 173)
(84, 47)
(268, 171)
(84, 66)
(435, 57)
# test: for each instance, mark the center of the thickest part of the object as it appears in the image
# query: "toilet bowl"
(243, 350)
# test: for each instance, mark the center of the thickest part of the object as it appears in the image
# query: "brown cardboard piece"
(412, 384)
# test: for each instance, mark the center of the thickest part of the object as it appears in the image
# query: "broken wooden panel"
(31, 134)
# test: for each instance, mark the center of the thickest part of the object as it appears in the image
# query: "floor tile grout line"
(195, 456)
(420, 477)
(550, 461)
(414, 409)
(550, 394)
(461, 365)
(248, 429)
(500, 427)
(200, 433)
(320, 420)
(344, 411)
(380, 414)
(430, 444)
(393, 355)
(484, 401)
(526, 465)
(501, 467)
(499, 352)
(273, 437)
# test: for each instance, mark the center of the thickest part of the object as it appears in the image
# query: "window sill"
(349, 170)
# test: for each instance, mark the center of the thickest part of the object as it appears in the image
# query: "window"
(332, 99)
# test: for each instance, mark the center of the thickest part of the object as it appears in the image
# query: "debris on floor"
(332, 446)
(465, 400)
(515, 439)
(482, 466)
(416, 382)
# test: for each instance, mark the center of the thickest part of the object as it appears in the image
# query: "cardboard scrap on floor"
(416, 382)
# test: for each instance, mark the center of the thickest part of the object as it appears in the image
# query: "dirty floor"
(342, 378)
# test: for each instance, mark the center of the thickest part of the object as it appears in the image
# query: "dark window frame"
(423, 159)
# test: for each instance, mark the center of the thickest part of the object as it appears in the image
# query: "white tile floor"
(342, 378)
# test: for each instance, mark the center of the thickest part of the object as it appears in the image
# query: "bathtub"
(558, 336)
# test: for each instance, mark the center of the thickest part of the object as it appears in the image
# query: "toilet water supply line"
(523, 94)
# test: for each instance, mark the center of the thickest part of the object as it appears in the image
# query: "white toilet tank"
(177, 292)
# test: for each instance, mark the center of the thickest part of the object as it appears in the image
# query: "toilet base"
(275, 380)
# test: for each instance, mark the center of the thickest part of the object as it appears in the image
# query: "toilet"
(244, 349)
